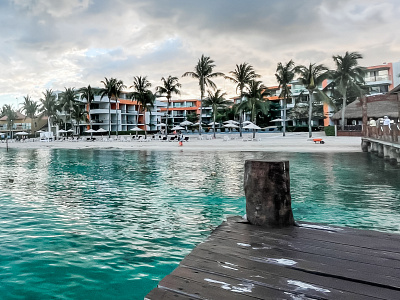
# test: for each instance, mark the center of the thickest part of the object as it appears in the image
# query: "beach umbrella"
(231, 126)
(90, 131)
(213, 123)
(161, 124)
(63, 131)
(231, 122)
(247, 123)
(40, 131)
(22, 133)
(70, 130)
(252, 126)
(136, 129)
(101, 130)
(177, 128)
(186, 123)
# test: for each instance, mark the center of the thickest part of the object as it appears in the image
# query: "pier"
(280, 259)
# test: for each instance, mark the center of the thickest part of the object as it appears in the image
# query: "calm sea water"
(104, 224)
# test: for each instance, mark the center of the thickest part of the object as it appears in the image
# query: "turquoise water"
(105, 224)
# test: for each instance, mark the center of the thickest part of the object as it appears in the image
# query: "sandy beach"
(292, 142)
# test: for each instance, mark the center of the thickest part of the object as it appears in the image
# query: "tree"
(49, 106)
(11, 115)
(348, 75)
(170, 86)
(203, 71)
(143, 95)
(254, 100)
(112, 89)
(87, 94)
(79, 114)
(284, 75)
(66, 101)
(216, 100)
(311, 77)
(242, 75)
(30, 108)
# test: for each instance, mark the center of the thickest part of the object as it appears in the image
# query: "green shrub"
(329, 130)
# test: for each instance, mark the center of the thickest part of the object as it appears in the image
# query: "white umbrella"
(70, 130)
(101, 130)
(186, 123)
(247, 123)
(63, 131)
(231, 122)
(161, 124)
(279, 120)
(231, 126)
(177, 128)
(90, 131)
(213, 123)
(40, 131)
(135, 129)
(251, 126)
(22, 133)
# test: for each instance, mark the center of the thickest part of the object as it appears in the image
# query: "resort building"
(180, 110)
(22, 123)
(125, 114)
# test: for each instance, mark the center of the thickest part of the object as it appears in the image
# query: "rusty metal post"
(267, 190)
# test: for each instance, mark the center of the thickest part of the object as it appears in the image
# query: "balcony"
(378, 79)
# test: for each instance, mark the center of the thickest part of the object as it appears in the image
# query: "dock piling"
(267, 190)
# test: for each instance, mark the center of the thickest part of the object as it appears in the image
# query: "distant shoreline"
(268, 142)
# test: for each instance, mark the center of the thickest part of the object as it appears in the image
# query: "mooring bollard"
(267, 190)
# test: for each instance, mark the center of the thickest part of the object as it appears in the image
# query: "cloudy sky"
(73, 43)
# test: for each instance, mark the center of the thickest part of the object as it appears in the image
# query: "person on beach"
(386, 121)
(371, 127)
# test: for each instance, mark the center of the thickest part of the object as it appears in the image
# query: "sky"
(47, 44)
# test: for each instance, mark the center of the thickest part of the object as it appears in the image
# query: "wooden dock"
(310, 261)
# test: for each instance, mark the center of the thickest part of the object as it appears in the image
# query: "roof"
(19, 117)
(377, 107)
(395, 90)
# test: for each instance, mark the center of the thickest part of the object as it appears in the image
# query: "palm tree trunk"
(166, 117)
(109, 117)
(116, 114)
(90, 122)
(215, 113)
(344, 108)
(310, 113)
(241, 114)
(284, 117)
(144, 122)
(201, 104)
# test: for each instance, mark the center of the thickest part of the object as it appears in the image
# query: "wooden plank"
(222, 262)
(214, 288)
(162, 294)
(258, 278)
(242, 261)
(319, 248)
(335, 267)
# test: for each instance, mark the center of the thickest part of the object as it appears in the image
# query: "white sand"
(293, 142)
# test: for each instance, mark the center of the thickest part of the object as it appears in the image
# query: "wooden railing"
(385, 133)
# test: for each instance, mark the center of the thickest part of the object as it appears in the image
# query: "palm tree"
(170, 86)
(254, 100)
(242, 75)
(67, 100)
(11, 115)
(284, 75)
(203, 71)
(87, 94)
(78, 113)
(216, 100)
(348, 75)
(311, 77)
(30, 107)
(143, 95)
(112, 89)
(49, 106)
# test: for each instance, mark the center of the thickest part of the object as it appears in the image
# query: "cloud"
(73, 43)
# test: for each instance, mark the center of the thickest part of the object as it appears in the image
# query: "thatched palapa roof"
(377, 107)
